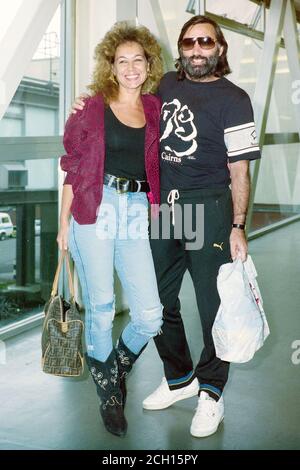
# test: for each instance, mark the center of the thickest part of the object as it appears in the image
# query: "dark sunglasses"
(205, 42)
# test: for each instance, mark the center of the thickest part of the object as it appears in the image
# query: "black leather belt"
(124, 185)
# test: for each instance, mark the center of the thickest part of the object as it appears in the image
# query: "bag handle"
(64, 256)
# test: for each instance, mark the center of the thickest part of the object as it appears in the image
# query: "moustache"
(192, 57)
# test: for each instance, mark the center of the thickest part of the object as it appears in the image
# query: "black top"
(204, 125)
(124, 148)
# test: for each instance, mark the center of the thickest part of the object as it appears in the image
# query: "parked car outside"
(6, 226)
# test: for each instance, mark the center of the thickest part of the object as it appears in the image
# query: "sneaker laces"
(206, 406)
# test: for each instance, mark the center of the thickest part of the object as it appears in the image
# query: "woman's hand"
(79, 103)
(62, 236)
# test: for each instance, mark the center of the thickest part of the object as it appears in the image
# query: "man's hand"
(79, 103)
(238, 244)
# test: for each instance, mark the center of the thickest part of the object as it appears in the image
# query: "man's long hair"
(222, 66)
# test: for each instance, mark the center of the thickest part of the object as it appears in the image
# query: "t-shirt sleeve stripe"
(241, 139)
(240, 127)
(243, 151)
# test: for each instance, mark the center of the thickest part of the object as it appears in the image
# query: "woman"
(112, 166)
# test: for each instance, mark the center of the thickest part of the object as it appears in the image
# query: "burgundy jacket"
(84, 142)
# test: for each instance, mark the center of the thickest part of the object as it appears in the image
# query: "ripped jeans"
(118, 239)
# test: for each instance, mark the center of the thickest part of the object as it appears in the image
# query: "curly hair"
(222, 66)
(103, 81)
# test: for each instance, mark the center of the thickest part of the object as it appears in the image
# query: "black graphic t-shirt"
(204, 125)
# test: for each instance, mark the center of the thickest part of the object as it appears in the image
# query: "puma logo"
(215, 245)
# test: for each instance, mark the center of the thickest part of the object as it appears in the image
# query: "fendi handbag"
(62, 352)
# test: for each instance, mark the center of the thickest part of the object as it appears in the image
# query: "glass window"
(42, 174)
(243, 56)
(14, 110)
(242, 11)
(10, 127)
(28, 187)
(33, 110)
(277, 194)
(40, 121)
(175, 14)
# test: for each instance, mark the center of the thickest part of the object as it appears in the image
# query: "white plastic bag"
(240, 327)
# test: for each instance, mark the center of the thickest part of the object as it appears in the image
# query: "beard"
(206, 69)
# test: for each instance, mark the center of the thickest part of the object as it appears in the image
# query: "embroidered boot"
(107, 380)
(126, 359)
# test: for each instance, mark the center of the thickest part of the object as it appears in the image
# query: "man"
(207, 139)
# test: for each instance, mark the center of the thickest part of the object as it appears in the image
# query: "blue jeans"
(119, 239)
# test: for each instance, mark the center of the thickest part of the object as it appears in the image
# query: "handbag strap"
(64, 256)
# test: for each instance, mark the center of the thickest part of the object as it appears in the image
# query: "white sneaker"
(208, 416)
(163, 397)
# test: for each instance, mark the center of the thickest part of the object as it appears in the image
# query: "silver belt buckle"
(120, 186)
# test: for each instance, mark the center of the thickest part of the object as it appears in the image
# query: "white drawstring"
(172, 197)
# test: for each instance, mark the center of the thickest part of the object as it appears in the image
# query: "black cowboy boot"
(107, 380)
(126, 359)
